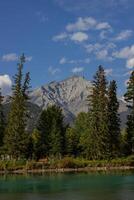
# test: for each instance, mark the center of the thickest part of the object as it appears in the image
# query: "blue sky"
(61, 38)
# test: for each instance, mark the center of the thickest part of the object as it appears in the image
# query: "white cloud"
(5, 83)
(10, 57)
(79, 37)
(123, 35)
(29, 58)
(90, 48)
(103, 25)
(60, 37)
(126, 52)
(77, 69)
(102, 55)
(53, 71)
(103, 35)
(87, 23)
(63, 61)
(108, 71)
(14, 57)
(82, 24)
(101, 51)
(130, 63)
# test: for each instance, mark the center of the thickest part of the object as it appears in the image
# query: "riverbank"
(67, 164)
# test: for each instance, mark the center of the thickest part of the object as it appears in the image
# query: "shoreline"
(66, 170)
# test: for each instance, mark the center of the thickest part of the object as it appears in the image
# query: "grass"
(66, 163)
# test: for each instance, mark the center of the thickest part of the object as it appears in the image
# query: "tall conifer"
(129, 97)
(99, 116)
(16, 138)
(113, 120)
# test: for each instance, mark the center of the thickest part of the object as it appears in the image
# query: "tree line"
(94, 135)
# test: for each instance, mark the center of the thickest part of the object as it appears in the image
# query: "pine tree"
(75, 135)
(2, 120)
(16, 138)
(113, 120)
(99, 116)
(129, 97)
(52, 130)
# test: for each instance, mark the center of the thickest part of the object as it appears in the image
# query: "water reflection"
(82, 186)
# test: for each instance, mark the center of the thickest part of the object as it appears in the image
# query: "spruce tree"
(16, 138)
(129, 97)
(99, 116)
(113, 120)
(52, 132)
(2, 120)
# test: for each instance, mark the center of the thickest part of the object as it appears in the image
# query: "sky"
(62, 38)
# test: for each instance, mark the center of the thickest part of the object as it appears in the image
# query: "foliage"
(16, 137)
(129, 97)
(52, 132)
(99, 117)
(113, 121)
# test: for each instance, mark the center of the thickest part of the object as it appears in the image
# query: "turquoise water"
(81, 186)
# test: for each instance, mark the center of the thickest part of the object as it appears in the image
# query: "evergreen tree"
(99, 117)
(129, 97)
(113, 120)
(72, 142)
(2, 120)
(52, 131)
(36, 144)
(16, 138)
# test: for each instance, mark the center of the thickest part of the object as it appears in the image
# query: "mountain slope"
(71, 95)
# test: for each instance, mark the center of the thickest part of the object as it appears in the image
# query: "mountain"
(70, 94)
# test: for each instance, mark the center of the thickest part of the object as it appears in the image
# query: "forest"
(95, 135)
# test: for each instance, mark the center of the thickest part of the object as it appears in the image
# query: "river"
(68, 186)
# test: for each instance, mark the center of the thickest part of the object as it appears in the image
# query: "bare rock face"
(70, 94)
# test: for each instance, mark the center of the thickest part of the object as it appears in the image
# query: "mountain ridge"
(71, 95)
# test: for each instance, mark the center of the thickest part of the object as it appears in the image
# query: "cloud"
(108, 71)
(101, 51)
(14, 57)
(126, 52)
(103, 25)
(53, 71)
(77, 69)
(63, 61)
(87, 23)
(82, 24)
(5, 83)
(102, 55)
(10, 57)
(29, 58)
(94, 6)
(103, 34)
(130, 63)
(79, 37)
(60, 37)
(123, 35)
